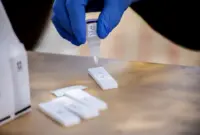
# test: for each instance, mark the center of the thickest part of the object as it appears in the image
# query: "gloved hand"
(69, 18)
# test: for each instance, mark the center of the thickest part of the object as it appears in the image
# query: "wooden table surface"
(152, 99)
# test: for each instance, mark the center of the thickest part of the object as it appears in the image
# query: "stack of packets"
(71, 105)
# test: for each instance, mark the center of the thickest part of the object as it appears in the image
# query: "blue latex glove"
(69, 18)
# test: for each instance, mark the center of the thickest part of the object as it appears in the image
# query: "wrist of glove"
(69, 17)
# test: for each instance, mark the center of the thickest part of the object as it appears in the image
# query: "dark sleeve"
(177, 20)
(28, 19)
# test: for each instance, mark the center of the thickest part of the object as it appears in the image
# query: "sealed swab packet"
(93, 40)
(61, 92)
(87, 99)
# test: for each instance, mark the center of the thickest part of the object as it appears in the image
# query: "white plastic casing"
(77, 108)
(87, 99)
(59, 113)
(103, 78)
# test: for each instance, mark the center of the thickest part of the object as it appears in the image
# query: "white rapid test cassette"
(103, 78)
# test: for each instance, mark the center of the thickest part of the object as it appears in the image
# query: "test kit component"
(14, 76)
(61, 92)
(67, 111)
(20, 75)
(87, 99)
(77, 108)
(93, 40)
(103, 78)
(59, 113)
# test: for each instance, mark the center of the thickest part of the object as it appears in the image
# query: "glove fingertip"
(60, 30)
(82, 40)
(102, 28)
(75, 42)
(101, 32)
(63, 33)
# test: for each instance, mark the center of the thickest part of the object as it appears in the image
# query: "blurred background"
(132, 40)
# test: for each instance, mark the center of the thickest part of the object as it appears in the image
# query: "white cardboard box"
(14, 83)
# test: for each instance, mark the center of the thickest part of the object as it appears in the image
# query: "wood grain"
(152, 99)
